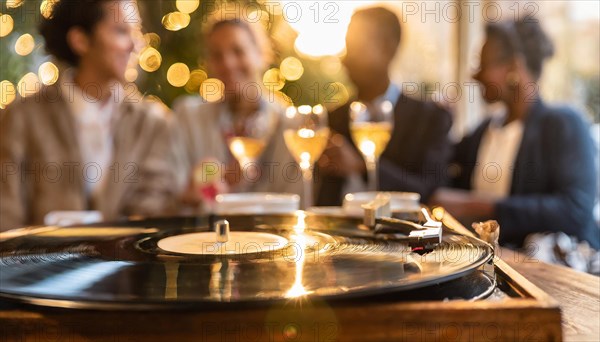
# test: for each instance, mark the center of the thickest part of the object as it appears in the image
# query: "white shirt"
(496, 157)
(94, 130)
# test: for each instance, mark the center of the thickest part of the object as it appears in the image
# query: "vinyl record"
(155, 263)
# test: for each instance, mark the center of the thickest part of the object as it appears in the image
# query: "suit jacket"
(554, 177)
(42, 167)
(416, 157)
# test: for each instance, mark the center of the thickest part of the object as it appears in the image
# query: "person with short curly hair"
(81, 144)
(531, 168)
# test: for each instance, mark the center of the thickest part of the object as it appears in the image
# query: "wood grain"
(577, 293)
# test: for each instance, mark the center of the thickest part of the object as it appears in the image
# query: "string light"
(273, 79)
(150, 59)
(212, 90)
(196, 78)
(48, 73)
(29, 85)
(178, 75)
(152, 39)
(46, 8)
(6, 25)
(291, 68)
(24, 44)
(13, 3)
(187, 6)
(176, 21)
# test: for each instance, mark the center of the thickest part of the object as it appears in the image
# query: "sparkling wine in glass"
(306, 137)
(246, 149)
(371, 130)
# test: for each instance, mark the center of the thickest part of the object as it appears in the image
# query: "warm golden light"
(150, 59)
(176, 21)
(291, 68)
(13, 3)
(7, 93)
(273, 79)
(212, 90)
(187, 6)
(6, 25)
(322, 30)
(196, 78)
(152, 39)
(29, 85)
(46, 8)
(178, 75)
(24, 45)
(48, 73)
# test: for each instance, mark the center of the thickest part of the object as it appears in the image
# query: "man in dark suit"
(416, 157)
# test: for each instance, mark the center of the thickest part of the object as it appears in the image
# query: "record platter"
(300, 276)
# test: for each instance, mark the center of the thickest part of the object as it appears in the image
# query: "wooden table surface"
(577, 293)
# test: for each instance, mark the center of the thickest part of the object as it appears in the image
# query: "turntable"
(295, 277)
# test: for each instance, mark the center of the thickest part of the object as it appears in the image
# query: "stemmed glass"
(306, 137)
(247, 145)
(371, 130)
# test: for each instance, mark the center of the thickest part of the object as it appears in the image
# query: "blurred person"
(417, 154)
(531, 168)
(81, 144)
(238, 53)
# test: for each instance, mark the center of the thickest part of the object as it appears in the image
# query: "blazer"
(554, 178)
(199, 137)
(42, 167)
(416, 157)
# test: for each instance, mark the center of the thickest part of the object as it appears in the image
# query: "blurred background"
(438, 53)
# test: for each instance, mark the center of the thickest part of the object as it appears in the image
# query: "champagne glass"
(371, 130)
(306, 137)
(247, 145)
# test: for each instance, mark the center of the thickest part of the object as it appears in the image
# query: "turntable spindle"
(222, 230)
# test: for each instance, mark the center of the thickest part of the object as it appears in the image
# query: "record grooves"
(121, 266)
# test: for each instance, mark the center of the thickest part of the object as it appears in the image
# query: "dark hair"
(386, 21)
(523, 37)
(257, 33)
(65, 15)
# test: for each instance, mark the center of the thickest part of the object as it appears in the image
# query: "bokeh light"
(187, 6)
(273, 79)
(46, 8)
(152, 39)
(13, 3)
(321, 32)
(176, 21)
(29, 85)
(178, 75)
(6, 25)
(48, 73)
(196, 78)
(150, 59)
(7, 93)
(24, 44)
(212, 90)
(291, 68)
